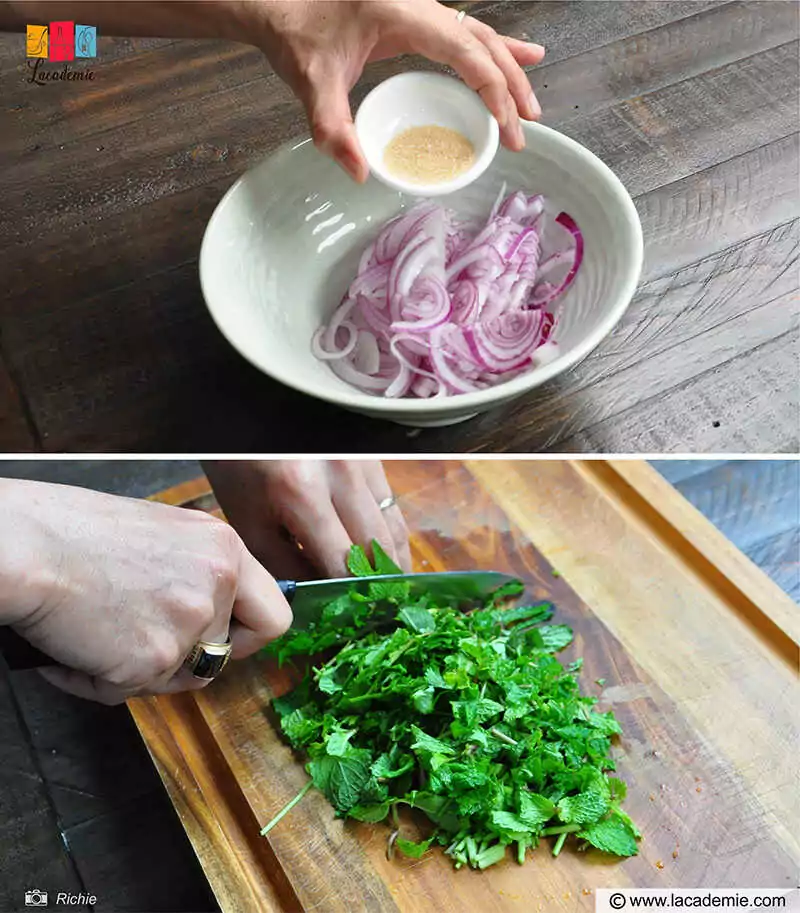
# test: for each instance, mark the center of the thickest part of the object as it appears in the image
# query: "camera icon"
(36, 898)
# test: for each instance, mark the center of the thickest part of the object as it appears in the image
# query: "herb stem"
(564, 829)
(503, 737)
(286, 808)
(559, 844)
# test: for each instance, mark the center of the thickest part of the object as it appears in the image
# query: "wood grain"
(698, 651)
(15, 432)
(659, 57)
(704, 416)
(667, 612)
(104, 328)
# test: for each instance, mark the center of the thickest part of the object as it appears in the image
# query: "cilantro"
(468, 717)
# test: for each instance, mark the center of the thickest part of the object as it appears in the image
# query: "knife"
(307, 599)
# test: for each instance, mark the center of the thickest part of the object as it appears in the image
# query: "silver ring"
(207, 659)
(460, 15)
(386, 503)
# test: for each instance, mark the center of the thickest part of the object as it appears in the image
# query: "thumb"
(328, 109)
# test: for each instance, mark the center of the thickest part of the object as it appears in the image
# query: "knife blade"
(307, 599)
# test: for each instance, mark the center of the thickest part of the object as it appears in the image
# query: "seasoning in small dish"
(429, 154)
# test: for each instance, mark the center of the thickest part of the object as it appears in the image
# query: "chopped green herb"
(468, 717)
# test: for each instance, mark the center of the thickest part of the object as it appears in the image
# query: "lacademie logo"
(56, 42)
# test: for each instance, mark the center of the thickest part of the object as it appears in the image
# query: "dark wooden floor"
(107, 186)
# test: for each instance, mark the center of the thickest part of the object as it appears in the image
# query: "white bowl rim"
(461, 402)
(483, 160)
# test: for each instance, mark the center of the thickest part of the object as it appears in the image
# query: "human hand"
(118, 591)
(325, 505)
(320, 47)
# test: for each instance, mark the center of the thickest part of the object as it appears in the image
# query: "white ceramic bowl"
(283, 245)
(418, 100)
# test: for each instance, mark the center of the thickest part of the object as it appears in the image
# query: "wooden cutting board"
(699, 654)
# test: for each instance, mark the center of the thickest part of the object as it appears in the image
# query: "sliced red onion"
(442, 305)
(366, 354)
(329, 355)
(507, 341)
(543, 297)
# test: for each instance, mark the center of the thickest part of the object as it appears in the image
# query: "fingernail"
(520, 134)
(533, 106)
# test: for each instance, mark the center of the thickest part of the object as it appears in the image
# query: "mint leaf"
(509, 824)
(358, 563)
(605, 723)
(528, 613)
(535, 810)
(555, 637)
(468, 717)
(423, 700)
(391, 590)
(583, 808)
(301, 727)
(338, 742)
(412, 849)
(342, 779)
(383, 563)
(512, 588)
(424, 742)
(434, 678)
(419, 620)
(613, 835)
(369, 813)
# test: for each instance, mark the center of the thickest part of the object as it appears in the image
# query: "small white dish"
(284, 243)
(420, 100)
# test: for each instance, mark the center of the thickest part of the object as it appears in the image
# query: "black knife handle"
(288, 588)
(19, 654)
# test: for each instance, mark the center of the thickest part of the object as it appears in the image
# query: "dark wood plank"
(663, 340)
(32, 854)
(660, 57)
(566, 29)
(131, 87)
(717, 412)
(130, 478)
(12, 49)
(675, 131)
(152, 866)
(719, 207)
(89, 755)
(16, 434)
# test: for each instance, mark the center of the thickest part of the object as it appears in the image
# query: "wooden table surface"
(697, 649)
(107, 186)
